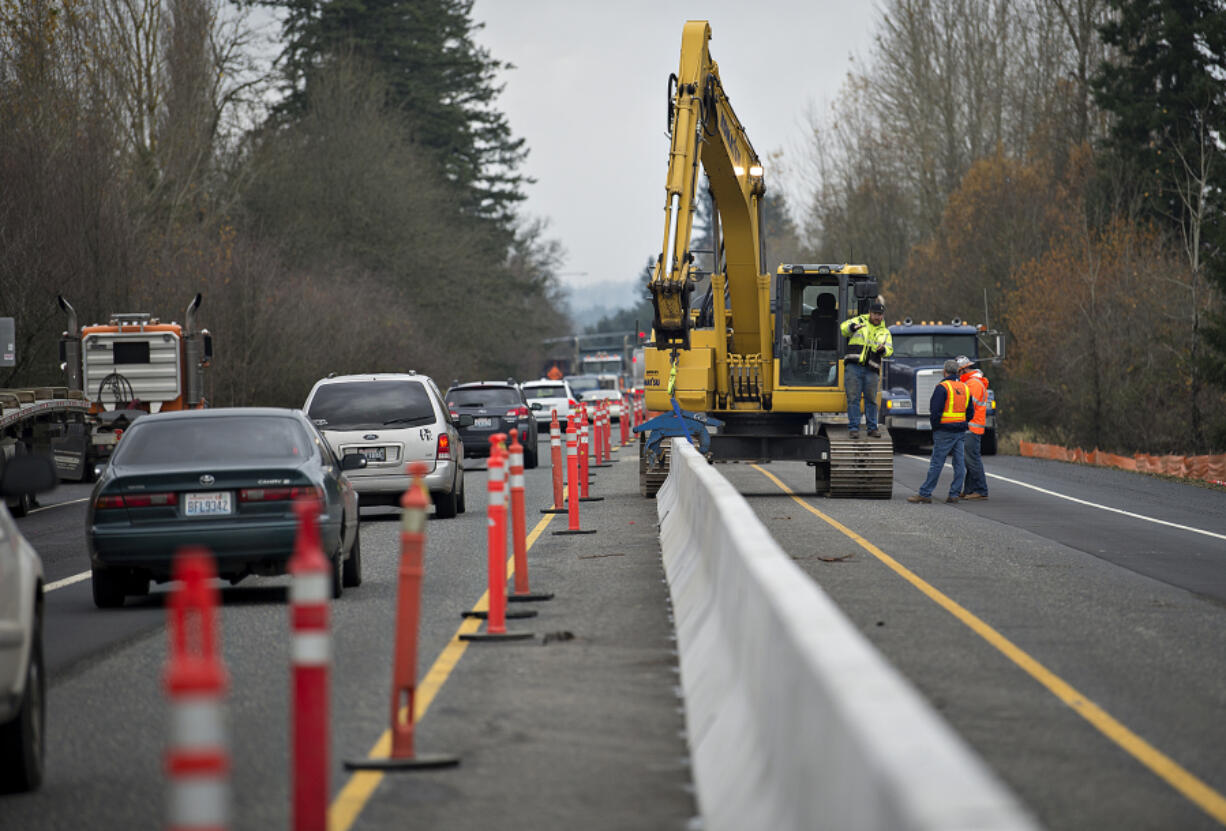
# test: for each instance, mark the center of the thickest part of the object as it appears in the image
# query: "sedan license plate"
(481, 421)
(374, 454)
(219, 503)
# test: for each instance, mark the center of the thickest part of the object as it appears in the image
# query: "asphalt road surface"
(1071, 628)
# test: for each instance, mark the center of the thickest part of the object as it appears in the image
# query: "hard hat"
(963, 361)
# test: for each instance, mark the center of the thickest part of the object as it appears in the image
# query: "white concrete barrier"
(794, 720)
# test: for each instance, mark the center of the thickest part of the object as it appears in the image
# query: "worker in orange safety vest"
(949, 410)
(976, 484)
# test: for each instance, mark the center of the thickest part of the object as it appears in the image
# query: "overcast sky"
(589, 90)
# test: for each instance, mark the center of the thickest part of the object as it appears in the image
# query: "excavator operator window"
(810, 351)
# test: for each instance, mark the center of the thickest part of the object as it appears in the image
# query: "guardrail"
(794, 721)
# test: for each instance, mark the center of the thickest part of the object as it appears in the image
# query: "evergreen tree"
(435, 74)
(1166, 91)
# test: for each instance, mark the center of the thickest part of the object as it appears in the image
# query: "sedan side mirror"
(353, 461)
(27, 474)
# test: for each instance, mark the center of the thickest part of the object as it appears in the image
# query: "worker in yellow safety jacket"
(950, 410)
(976, 485)
(868, 342)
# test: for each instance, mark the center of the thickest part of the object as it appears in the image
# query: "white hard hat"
(963, 361)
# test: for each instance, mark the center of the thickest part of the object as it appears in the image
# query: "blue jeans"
(976, 479)
(945, 443)
(859, 379)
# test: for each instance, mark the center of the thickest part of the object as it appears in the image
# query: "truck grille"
(926, 381)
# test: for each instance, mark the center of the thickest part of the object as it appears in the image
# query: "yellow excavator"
(753, 371)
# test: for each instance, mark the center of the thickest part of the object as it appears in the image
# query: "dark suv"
(495, 407)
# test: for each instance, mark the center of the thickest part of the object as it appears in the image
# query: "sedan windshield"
(352, 406)
(213, 439)
(484, 397)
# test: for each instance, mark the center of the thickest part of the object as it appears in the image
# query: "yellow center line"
(1195, 790)
(361, 785)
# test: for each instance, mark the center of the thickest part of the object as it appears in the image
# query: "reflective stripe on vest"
(956, 400)
(980, 421)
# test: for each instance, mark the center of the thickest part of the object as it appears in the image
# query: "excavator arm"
(706, 133)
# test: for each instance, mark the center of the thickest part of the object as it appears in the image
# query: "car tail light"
(518, 412)
(454, 414)
(136, 500)
(279, 494)
(444, 446)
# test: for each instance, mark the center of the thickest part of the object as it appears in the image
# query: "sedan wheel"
(338, 582)
(22, 739)
(108, 588)
(459, 505)
(351, 572)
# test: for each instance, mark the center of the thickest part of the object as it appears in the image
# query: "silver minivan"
(392, 419)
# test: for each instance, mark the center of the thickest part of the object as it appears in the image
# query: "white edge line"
(1096, 505)
(67, 581)
(58, 505)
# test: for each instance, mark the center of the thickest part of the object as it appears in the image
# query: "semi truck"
(910, 376)
(116, 371)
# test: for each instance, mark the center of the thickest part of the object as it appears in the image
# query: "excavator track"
(651, 477)
(861, 468)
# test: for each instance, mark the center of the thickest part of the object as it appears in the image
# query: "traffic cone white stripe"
(311, 649)
(196, 723)
(198, 802)
(310, 588)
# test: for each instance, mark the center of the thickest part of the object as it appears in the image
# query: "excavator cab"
(811, 302)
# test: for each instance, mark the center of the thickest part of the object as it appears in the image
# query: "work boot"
(974, 496)
(917, 498)
(951, 499)
(853, 434)
(875, 433)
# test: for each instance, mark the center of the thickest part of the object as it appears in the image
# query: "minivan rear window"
(357, 405)
(545, 392)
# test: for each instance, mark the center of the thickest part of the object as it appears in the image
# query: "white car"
(545, 396)
(393, 419)
(613, 397)
(23, 685)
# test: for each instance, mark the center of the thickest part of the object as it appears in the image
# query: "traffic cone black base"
(528, 597)
(509, 613)
(505, 636)
(424, 762)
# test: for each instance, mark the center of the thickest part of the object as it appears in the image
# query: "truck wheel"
(108, 588)
(22, 507)
(987, 445)
(22, 743)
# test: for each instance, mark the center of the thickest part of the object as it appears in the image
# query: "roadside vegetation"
(368, 219)
(1051, 167)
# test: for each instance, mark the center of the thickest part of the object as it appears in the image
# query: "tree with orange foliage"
(1096, 353)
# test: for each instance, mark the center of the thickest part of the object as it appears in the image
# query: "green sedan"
(225, 479)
